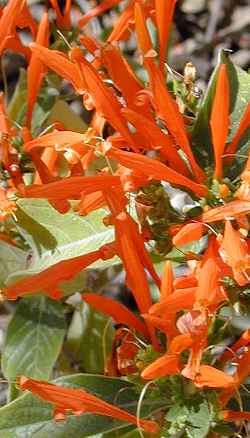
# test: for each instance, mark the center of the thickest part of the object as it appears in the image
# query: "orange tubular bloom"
(123, 76)
(164, 16)
(155, 170)
(49, 279)
(120, 313)
(167, 109)
(8, 20)
(144, 40)
(78, 402)
(56, 137)
(71, 188)
(235, 415)
(120, 30)
(63, 20)
(104, 99)
(98, 10)
(234, 252)
(188, 233)
(207, 289)
(213, 378)
(36, 69)
(243, 341)
(58, 62)
(219, 121)
(227, 211)
(169, 364)
(167, 281)
(157, 139)
(178, 300)
(244, 125)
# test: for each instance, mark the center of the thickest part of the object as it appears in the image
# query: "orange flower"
(166, 365)
(213, 378)
(8, 20)
(48, 280)
(58, 62)
(168, 111)
(98, 10)
(103, 97)
(167, 281)
(144, 40)
(157, 139)
(219, 120)
(228, 211)
(244, 124)
(70, 188)
(208, 291)
(121, 361)
(243, 341)
(36, 69)
(78, 402)
(62, 20)
(155, 170)
(235, 415)
(169, 364)
(178, 300)
(124, 78)
(120, 30)
(234, 252)
(7, 207)
(188, 233)
(164, 16)
(120, 313)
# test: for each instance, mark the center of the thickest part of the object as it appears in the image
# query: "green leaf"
(42, 108)
(194, 417)
(12, 259)
(61, 112)
(54, 237)
(34, 338)
(89, 338)
(29, 417)
(18, 103)
(239, 83)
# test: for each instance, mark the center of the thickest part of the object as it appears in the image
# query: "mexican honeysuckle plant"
(152, 193)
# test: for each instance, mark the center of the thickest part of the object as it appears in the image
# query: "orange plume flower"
(219, 120)
(78, 402)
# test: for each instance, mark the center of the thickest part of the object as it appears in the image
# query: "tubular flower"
(122, 360)
(243, 341)
(8, 21)
(168, 111)
(244, 125)
(154, 169)
(36, 69)
(78, 402)
(120, 313)
(213, 378)
(58, 62)
(48, 280)
(164, 10)
(219, 121)
(234, 252)
(169, 364)
(157, 139)
(62, 19)
(188, 233)
(104, 99)
(98, 10)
